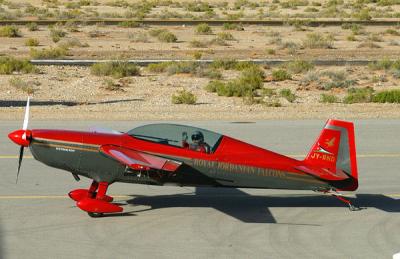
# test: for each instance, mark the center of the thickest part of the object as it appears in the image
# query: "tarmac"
(38, 220)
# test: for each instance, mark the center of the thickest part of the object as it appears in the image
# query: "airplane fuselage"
(78, 153)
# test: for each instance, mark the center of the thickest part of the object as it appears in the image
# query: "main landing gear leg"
(98, 203)
(341, 198)
(92, 189)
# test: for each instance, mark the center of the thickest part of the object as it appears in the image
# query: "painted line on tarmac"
(49, 197)
(290, 155)
(14, 156)
(392, 195)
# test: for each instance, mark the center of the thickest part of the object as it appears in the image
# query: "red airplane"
(161, 154)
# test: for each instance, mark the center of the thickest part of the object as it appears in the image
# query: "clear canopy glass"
(174, 134)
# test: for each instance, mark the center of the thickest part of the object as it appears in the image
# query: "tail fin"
(335, 151)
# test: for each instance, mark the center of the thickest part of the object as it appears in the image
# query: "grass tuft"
(338, 79)
(57, 34)
(71, 43)
(10, 31)
(198, 44)
(317, 41)
(287, 94)
(32, 42)
(32, 26)
(163, 35)
(225, 36)
(183, 97)
(9, 65)
(250, 80)
(384, 64)
(388, 96)
(22, 85)
(329, 98)
(233, 26)
(298, 66)
(281, 75)
(115, 69)
(203, 28)
(359, 95)
(57, 52)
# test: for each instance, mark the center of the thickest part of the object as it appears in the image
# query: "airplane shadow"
(14, 103)
(254, 209)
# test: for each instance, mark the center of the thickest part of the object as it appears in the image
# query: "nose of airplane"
(21, 137)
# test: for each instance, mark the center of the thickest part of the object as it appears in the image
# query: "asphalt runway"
(38, 220)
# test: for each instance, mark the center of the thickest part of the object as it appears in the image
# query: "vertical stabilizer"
(335, 150)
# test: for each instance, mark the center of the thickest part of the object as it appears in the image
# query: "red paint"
(101, 202)
(80, 194)
(18, 137)
(138, 160)
(352, 146)
(98, 206)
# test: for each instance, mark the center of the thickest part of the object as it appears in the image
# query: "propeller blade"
(21, 155)
(26, 118)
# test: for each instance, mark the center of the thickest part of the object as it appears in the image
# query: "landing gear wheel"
(95, 214)
(354, 208)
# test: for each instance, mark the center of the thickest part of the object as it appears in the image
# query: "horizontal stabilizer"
(138, 160)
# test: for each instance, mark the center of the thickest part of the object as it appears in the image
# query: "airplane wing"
(323, 173)
(138, 160)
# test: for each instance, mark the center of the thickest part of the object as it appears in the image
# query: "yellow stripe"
(12, 157)
(48, 197)
(393, 195)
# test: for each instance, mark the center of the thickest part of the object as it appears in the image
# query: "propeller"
(24, 128)
(26, 118)
(21, 155)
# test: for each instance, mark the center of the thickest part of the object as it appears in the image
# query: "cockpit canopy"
(174, 134)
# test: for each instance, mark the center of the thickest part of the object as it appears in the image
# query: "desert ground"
(74, 93)
(295, 89)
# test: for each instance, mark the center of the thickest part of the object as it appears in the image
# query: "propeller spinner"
(22, 137)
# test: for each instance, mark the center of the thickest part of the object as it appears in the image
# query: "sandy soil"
(220, 9)
(73, 93)
(253, 42)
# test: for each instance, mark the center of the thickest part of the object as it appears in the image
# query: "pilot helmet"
(197, 137)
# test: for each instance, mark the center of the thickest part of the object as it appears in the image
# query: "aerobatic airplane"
(163, 153)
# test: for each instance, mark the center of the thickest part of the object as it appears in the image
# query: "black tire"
(95, 214)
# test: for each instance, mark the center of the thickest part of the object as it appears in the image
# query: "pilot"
(198, 142)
